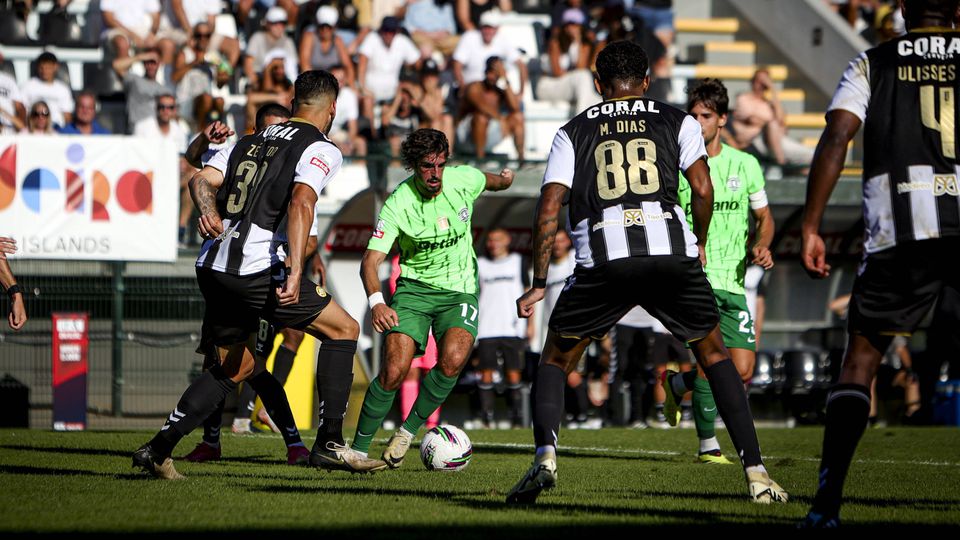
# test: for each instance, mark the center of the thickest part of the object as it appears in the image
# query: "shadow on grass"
(494, 449)
(50, 471)
(70, 451)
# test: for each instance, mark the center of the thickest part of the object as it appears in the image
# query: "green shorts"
(420, 307)
(736, 322)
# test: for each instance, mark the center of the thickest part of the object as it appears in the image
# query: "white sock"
(242, 423)
(709, 445)
(546, 452)
(755, 469)
(405, 432)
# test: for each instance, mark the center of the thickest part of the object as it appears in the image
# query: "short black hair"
(46, 56)
(918, 9)
(271, 109)
(421, 143)
(313, 85)
(622, 61)
(711, 93)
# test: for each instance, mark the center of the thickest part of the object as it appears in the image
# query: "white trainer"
(764, 490)
(541, 475)
(397, 447)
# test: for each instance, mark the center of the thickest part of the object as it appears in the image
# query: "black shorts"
(672, 288)
(512, 350)
(235, 305)
(895, 288)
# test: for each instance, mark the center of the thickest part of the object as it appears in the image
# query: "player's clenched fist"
(526, 302)
(384, 318)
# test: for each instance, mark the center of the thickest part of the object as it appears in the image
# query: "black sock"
(247, 400)
(212, 425)
(583, 400)
(515, 397)
(195, 405)
(548, 404)
(688, 378)
(334, 382)
(275, 402)
(486, 401)
(847, 409)
(732, 404)
(283, 363)
(638, 387)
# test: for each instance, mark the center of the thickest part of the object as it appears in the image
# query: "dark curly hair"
(422, 143)
(711, 93)
(622, 61)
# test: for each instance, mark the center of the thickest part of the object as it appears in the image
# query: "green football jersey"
(736, 175)
(434, 235)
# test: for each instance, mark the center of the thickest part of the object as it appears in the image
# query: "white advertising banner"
(106, 198)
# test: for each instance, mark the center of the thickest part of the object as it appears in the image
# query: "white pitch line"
(642, 451)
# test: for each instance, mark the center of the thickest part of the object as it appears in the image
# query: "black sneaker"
(152, 462)
(814, 520)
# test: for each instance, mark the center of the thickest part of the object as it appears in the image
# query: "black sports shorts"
(235, 305)
(513, 351)
(672, 288)
(895, 288)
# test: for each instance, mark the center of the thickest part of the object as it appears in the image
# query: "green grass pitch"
(608, 480)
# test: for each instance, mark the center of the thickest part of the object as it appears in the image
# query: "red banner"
(70, 367)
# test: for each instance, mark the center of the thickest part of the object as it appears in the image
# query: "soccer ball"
(445, 448)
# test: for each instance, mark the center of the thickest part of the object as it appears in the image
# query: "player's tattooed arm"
(203, 191)
(701, 202)
(545, 232)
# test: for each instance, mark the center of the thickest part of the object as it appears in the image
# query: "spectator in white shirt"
(476, 46)
(272, 36)
(377, 81)
(168, 125)
(130, 24)
(345, 132)
(46, 87)
(13, 112)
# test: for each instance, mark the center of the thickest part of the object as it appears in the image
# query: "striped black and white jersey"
(621, 160)
(260, 171)
(502, 281)
(905, 92)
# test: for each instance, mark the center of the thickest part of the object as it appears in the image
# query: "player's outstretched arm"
(701, 202)
(500, 181)
(215, 133)
(545, 232)
(300, 214)
(825, 171)
(203, 191)
(382, 316)
(761, 254)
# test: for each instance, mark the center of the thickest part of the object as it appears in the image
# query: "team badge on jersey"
(464, 214)
(443, 223)
(321, 292)
(378, 230)
(733, 183)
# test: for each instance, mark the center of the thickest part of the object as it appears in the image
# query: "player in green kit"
(738, 191)
(429, 216)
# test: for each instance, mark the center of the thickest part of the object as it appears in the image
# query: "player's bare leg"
(558, 359)
(454, 349)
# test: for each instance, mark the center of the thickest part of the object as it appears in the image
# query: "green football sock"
(376, 405)
(704, 409)
(433, 392)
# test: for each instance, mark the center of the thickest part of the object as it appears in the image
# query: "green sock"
(433, 392)
(704, 409)
(376, 405)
